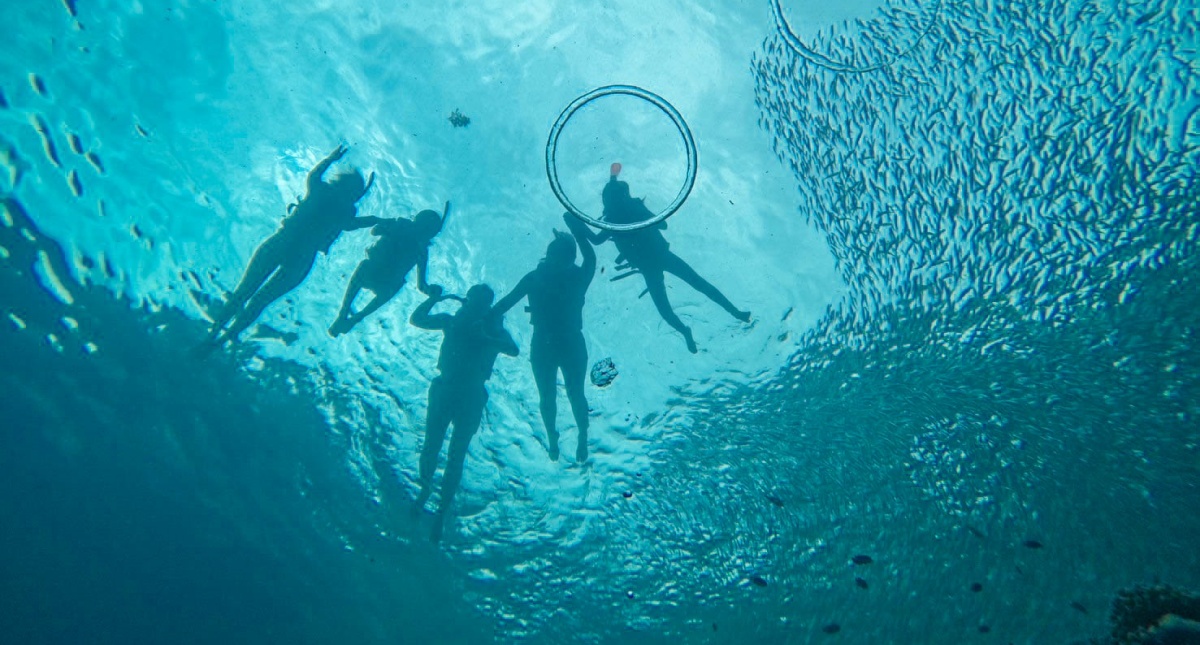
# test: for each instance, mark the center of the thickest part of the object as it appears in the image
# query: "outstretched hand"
(573, 223)
(339, 153)
(434, 291)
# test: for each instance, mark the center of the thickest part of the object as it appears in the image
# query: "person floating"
(473, 337)
(646, 251)
(402, 245)
(556, 290)
(282, 262)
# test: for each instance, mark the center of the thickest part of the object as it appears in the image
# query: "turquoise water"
(972, 357)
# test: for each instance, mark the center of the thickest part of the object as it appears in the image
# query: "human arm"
(318, 171)
(422, 268)
(363, 222)
(592, 236)
(422, 316)
(445, 216)
(502, 339)
(585, 245)
(520, 291)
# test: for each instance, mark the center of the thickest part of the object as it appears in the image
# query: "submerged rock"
(603, 372)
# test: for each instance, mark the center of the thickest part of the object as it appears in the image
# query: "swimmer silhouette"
(282, 262)
(474, 336)
(556, 289)
(402, 245)
(645, 251)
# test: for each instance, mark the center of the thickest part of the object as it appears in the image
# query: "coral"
(1157, 614)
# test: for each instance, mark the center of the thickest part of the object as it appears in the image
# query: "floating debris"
(627, 494)
(94, 159)
(759, 580)
(860, 583)
(459, 120)
(603, 373)
(74, 183)
(862, 559)
(1032, 544)
(38, 84)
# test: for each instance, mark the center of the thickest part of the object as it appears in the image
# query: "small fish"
(860, 583)
(832, 628)
(459, 120)
(758, 580)
(48, 147)
(862, 559)
(75, 144)
(1078, 606)
(94, 159)
(3, 101)
(976, 532)
(74, 183)
(774, 499)
(976, 587)
(140, 130)
(38, 84)
(70, 5)
(1032, 544)
(983, 629)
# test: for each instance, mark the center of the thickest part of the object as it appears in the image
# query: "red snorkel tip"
(614, 170)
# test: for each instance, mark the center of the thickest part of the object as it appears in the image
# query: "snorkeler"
(645, 251)
(474, 336)
(556, 290)
(282, 262)
(402, 245)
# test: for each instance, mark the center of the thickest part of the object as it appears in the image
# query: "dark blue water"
(967, 233)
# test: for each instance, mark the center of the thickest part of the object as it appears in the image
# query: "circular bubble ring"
(793, 41)
(655, 100)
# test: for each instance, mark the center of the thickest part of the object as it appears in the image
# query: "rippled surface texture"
(966, 408)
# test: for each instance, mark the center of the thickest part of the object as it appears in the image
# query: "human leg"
(466, 423)
(545, 375)
(265, 261)
(574, 369)
(288, 277)
(658, 293)
(437, 421)
(674, 264)
(381, 298)
(341, 323)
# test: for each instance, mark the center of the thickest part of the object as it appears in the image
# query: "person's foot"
(423, 497)
(581, 452)
(338, 327)
(553, 436)
(691, 342)
(743, 316)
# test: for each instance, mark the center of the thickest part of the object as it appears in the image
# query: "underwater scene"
(637, 321)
